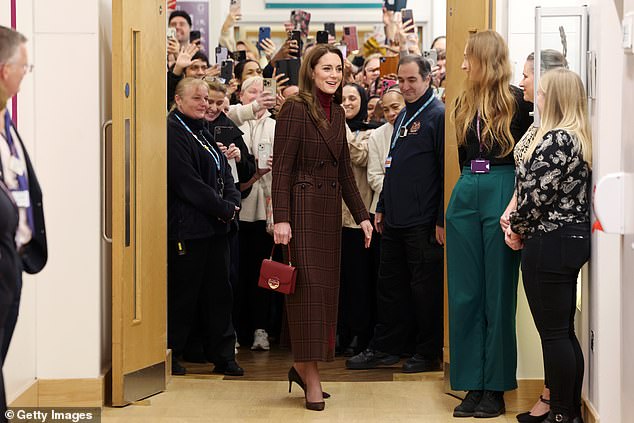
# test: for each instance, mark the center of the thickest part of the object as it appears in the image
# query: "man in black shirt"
(410, 218)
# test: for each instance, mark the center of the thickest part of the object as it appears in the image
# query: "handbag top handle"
(289, 253)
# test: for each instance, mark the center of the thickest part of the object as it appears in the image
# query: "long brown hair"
(307, 90)
(489, 92)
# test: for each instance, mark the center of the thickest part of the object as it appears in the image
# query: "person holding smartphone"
(482, 271)
(311, 175)
(255, 241)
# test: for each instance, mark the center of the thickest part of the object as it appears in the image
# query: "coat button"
(321, 164)
(334, 163)
(334, 185)
(303, 186)
(319, 185)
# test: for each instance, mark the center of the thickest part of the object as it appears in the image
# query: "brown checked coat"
(311, 174)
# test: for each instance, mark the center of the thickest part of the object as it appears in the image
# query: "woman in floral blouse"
(552, 227)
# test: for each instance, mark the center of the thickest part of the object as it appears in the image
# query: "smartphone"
(290, 68)
(171, 33)
(300, 20)
(350, 38)
(343, 49)
(263, 33)
(297, 36)
(221, 54)
(330, 27)
(239, 55)
(386, 84)
(395, 5)
(235, 4)
(264, 152)
(194, 35)
(222, 134)
(226, 70)
(432, 56)
(388, 65)
(406, 15)
(270, 85)
(322, 37)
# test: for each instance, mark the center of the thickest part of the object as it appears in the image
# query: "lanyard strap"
(207, 147)
(479, 136)
(418, 112)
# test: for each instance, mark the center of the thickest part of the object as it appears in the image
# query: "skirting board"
(588, 412)
(62, 393)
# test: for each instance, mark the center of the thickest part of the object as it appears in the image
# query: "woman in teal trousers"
(490, 116)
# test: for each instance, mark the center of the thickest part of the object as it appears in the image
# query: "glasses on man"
(27, 68)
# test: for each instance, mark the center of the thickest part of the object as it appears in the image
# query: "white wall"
(59, 328)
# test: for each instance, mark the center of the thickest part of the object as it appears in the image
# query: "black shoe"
(529, 418)
(293, 376)
(230, 368)
(418, 364)
(491, 405)
(468, 405)
(369, 359)
(177, 369)
(554, 417)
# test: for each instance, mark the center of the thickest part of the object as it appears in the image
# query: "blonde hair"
(565, 107)
(250, 81)
(183, 85)
(489, 93)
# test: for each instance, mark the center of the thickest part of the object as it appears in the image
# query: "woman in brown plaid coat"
(311, 174)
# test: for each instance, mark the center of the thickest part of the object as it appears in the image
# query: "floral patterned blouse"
(552, 186)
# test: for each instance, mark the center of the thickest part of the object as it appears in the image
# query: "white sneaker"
(260, 340)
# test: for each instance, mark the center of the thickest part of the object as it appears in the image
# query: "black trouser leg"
(11, 318)
(185, 274)
(550, 266)
(394, 302)
(216, 292)
(425, 260)
(355, 291)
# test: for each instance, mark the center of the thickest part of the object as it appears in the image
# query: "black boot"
(468, 405)
(491, 405)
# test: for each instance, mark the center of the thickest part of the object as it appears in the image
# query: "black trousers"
(550, 266)
(262, 308)
(356, 290)
(12, 318)
(198, 287)
(410, 292)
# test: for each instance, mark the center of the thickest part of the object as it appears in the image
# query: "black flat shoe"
(293, 376)
(177, 369)
(491, 405)
(230, 368)
(529, 418)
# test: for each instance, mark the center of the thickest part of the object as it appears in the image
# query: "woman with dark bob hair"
(311, 174)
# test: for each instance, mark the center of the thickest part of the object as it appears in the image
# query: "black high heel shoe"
(293, 376)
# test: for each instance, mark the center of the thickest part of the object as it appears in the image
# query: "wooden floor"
(380, 395)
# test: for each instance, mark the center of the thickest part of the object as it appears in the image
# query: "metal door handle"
(104, 174)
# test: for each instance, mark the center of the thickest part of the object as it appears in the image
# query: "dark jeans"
(410, 292)
(550, 266)
(198, 287)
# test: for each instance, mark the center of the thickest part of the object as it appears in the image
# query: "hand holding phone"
(432, 56)
(263, 33)
(270, 85)
(408, 15)
(264, 152)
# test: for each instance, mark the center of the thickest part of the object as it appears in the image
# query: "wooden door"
(138, 210)
(463, 17)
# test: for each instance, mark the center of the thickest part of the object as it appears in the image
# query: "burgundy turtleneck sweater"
(325, 101)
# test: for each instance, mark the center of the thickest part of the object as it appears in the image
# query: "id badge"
(388, 162)
(16, 166)
(480, 166)
(21, 199)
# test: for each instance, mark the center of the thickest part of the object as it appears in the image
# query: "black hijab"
(357, 123)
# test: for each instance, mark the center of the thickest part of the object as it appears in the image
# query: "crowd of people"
(343, 164)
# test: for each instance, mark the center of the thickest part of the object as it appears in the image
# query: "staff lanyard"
(398, 133)
(479, 136)
(206, 146)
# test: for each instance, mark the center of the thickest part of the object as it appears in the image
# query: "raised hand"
(268, 48)
(184, 58)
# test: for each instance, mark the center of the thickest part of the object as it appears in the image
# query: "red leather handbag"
(278, 277)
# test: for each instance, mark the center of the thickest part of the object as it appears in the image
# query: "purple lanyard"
(23, 183)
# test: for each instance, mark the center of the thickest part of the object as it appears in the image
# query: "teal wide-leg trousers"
(482, 274)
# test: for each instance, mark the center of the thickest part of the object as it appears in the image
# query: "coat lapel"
(329, 133)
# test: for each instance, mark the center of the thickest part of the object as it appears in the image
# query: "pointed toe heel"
(293, 376)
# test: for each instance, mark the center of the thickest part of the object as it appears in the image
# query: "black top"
(246, 166)
(412, 192)
(9, 259)
(519, 125)
(195, 207)
(552, 187)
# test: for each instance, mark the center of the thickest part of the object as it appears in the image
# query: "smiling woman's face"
(328, 73)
